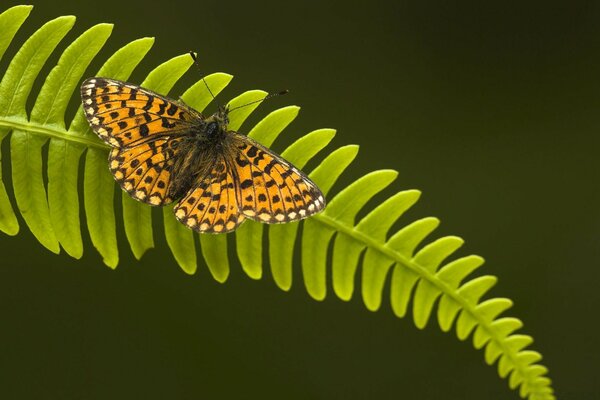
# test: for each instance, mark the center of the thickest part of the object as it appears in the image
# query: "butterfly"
(163, 151)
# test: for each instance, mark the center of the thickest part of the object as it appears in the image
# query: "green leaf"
(99, 189)
(403, 278)
(304, 149)
(408, 238)
(26, 148)
(52, 214)
(10, 22)
(501, 328)
(63, 196)
(63, 157)
(349, 201)
(453, 273)
(347, 250)
(198, 97)
(27, 63)
(8, 219)
(214, 250)
(29, 188)
(51, 103)
(237, 117)
(324, 176)
(269, 128)
(403, 281)
(342, 208)
(180, 241)
(427, 292)
(471, 292)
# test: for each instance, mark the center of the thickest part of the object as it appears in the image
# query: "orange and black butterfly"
(165, 151)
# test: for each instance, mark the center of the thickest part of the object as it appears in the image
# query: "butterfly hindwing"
(270, 189)
(145, 170)
(211, 206)
(123, 114)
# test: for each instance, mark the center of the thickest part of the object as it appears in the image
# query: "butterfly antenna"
(193, 54)
(263, 99)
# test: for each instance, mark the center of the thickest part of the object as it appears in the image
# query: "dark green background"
(491, 110)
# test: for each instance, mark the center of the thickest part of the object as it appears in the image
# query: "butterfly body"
(164, 151)
(206, 142)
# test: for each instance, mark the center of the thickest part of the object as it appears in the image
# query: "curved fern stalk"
(418, 275)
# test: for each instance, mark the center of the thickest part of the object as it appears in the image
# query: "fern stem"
(426, 274)
(45, 130)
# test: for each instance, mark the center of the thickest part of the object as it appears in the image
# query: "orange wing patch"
(145, 171)
(270, 189)
(123, 115)
(211, 206)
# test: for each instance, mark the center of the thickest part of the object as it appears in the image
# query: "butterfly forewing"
(144, 129)
(123, 115)
(270, 189)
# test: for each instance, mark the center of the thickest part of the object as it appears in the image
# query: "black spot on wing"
(149, 103)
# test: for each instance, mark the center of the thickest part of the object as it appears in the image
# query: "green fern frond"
(418, 276)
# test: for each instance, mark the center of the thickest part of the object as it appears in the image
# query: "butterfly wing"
(124, 115)
(145, 170)
(212, 205)
(270, 189)
(144, 129)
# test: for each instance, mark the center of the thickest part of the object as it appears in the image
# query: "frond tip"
(418, 274)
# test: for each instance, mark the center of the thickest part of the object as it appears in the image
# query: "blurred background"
(491, 109)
